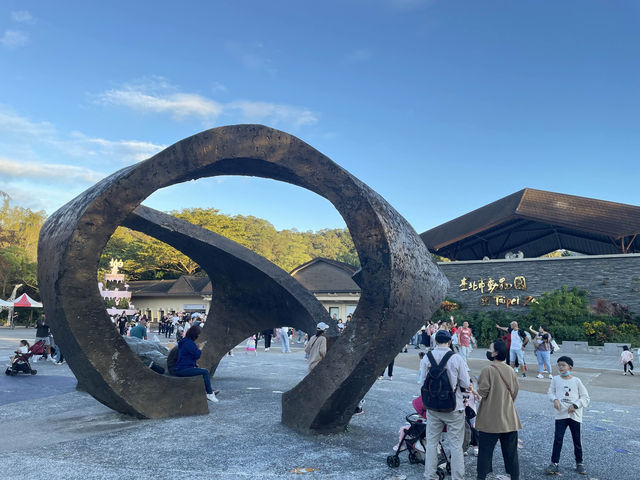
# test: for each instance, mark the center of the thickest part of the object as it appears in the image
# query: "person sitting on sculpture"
(188, 354)
(140, 330)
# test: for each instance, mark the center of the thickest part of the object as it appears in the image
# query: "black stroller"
(413, 439)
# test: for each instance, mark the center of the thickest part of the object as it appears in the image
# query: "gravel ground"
(66, 434)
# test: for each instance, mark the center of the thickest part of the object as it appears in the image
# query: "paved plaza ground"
(52, 431)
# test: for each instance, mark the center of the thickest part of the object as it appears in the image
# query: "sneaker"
(540, 376)
(516, 370)
(475, 451)
(580, 469)
(212, 397)
(381, 377)
(552, 469)
(630, 372)
(550, 377)
(624, 373)
(524, 375)
(266, 349)
(390, 378)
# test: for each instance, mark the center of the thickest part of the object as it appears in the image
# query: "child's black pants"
(561, 427)
(629, 364)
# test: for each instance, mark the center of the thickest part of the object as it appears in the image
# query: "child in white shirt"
(569, 397)
(22, 349)
(626, 359)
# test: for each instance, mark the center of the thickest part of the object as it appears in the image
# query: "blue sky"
(440, 106)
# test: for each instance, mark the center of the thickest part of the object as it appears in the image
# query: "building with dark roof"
(496, 250)
(536, 222)
(332, 284)
(188, 293)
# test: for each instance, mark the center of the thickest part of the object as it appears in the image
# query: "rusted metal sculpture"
(401, 287)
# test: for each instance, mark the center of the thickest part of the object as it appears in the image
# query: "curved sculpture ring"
(401, 287)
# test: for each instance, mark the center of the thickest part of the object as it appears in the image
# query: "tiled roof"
(322, 275)
(537, 222)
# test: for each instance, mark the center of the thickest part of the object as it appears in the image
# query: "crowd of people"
(487, 406)
(493, 397)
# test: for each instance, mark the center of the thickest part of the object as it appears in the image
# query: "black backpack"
(437, 393)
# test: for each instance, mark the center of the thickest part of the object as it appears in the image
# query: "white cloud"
(57, 173)
(180, 105)
(21, 132)
(125, 151)
(265, 111)
(14, 39)
(22, 16)
(157, 96)
(10, 122)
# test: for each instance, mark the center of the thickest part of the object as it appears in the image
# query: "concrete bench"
(574, 347)
(614, 348)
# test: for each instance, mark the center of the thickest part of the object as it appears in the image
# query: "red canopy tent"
(26, 301)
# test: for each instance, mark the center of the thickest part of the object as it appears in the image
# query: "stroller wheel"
(393, 461)
(33, 372)
(412, 458)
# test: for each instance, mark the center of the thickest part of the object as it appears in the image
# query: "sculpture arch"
(401, 287)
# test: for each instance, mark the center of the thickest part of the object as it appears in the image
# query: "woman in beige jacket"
(316, 347)
(497, 417)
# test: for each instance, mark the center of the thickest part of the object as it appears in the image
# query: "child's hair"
(25, 343)
(625, 347)
(500, 347)
(567, 360)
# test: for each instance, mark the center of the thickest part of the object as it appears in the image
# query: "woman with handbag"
(497, 418)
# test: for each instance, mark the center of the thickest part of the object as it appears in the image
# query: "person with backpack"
(497, 418)
(444, 378)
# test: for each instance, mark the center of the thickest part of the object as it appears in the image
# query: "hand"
(530, 327)
(571, 409)
(556, 405)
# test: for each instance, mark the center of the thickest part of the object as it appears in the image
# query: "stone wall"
(616, 278)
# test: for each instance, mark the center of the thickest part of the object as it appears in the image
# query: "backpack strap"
(443, 362)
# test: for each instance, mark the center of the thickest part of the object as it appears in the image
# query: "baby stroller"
(21, 364)
(413, 439)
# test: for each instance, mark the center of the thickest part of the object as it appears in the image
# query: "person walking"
(284, 337)
(267, 334)
(626, 359)
(518, 340)
(465, 340)
(441, 357)
(570, 398)
(497, 418)
(316, 347)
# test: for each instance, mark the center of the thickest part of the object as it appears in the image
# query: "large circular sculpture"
(401, 287)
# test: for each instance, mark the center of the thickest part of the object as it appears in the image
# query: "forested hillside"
(146, 258)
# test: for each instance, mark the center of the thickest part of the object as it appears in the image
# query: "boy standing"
(569, 397)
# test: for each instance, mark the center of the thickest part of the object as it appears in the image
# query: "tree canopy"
(146, 258)
(19, 230)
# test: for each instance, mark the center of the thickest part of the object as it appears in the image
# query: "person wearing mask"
(497, 418)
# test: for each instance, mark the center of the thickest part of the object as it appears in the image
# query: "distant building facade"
(155, 298)
(331, 283)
